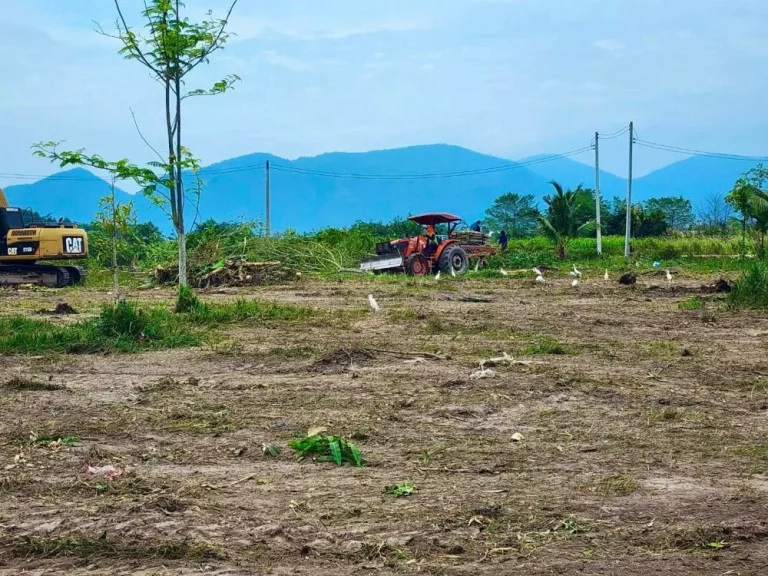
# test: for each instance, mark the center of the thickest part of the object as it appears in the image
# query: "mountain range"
(337, 189)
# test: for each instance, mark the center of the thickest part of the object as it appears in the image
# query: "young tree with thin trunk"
(170, 48)
(116, 219)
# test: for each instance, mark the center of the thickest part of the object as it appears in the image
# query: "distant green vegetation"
(664, 230)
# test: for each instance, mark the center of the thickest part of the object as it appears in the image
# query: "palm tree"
(560, 221)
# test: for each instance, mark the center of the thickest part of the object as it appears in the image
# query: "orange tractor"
(429, 252)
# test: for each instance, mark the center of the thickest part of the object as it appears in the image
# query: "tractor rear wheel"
(454, 258)
(417, 265)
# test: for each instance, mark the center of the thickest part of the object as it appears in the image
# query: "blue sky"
(512, 78)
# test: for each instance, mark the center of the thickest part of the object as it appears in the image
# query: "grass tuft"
(186, 301)
(546, 345)
(240, 310)
(695, 303)
(751, 289)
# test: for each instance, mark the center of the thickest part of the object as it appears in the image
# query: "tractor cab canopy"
(435, 218)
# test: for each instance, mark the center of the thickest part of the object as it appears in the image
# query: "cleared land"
(644, 445)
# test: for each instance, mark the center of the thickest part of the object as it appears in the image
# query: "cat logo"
(73, 245)
(13, 251)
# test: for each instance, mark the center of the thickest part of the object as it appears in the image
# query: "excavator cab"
(10, 219)
(22, 246)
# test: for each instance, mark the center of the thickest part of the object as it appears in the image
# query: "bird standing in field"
(605, 276)
(669, 278)
(503, 272)
(575, 283)
(477, 265)
(575, 272)
(372, 302)
(437, 276)
(453, 272)
(539, 275)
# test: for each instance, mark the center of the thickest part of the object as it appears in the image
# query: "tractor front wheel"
(417, 265)
(454, 258)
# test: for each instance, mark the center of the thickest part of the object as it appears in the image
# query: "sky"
(512, 78)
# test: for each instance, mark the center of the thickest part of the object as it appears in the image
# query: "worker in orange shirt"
(431, 241)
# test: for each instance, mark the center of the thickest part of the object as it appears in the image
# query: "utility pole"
(628, 232)
(266, 198)
(597, 196)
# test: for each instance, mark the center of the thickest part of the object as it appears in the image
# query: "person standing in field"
(503, 240)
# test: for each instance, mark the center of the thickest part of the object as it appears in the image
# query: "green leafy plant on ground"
(695, 303)
(326, 448)
(400, 489)
(751, 289)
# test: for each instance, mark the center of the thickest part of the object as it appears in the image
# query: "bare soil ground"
(644, 445)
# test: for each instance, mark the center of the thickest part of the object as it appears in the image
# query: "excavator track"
(40, 274)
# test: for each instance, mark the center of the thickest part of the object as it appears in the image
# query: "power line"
(307, 171)
(694, 152)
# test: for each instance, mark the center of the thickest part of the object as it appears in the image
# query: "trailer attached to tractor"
(429, 253)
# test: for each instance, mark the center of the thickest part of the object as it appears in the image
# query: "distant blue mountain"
(571, 173)
(336, 189)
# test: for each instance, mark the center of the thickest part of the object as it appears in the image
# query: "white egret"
(374, 305)
(575, 283)
(503, 272)
(605, 276)
(437, 276)
(669, 278)
(540, 278)
(576, 272)
(453, 272)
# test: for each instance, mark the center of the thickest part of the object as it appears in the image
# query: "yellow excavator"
(22, 245)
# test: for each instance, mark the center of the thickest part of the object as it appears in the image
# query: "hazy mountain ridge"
(303, 200)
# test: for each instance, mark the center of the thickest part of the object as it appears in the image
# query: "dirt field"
(643, 449)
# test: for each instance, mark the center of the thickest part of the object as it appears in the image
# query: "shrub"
(751, 289)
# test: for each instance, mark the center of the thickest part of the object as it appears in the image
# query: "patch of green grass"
(325, 448)
(751, 289)
(240, 310)
(757, 454)
(546, 345)
(27, 385)
(400, 489)
(404, 315)
(121, 328)
(695, 303)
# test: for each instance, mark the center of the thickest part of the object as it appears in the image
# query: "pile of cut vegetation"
(230, 272)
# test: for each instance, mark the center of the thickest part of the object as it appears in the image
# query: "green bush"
(186, 301)
(751, 289)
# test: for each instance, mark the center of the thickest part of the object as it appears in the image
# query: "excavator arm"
(3, 199)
